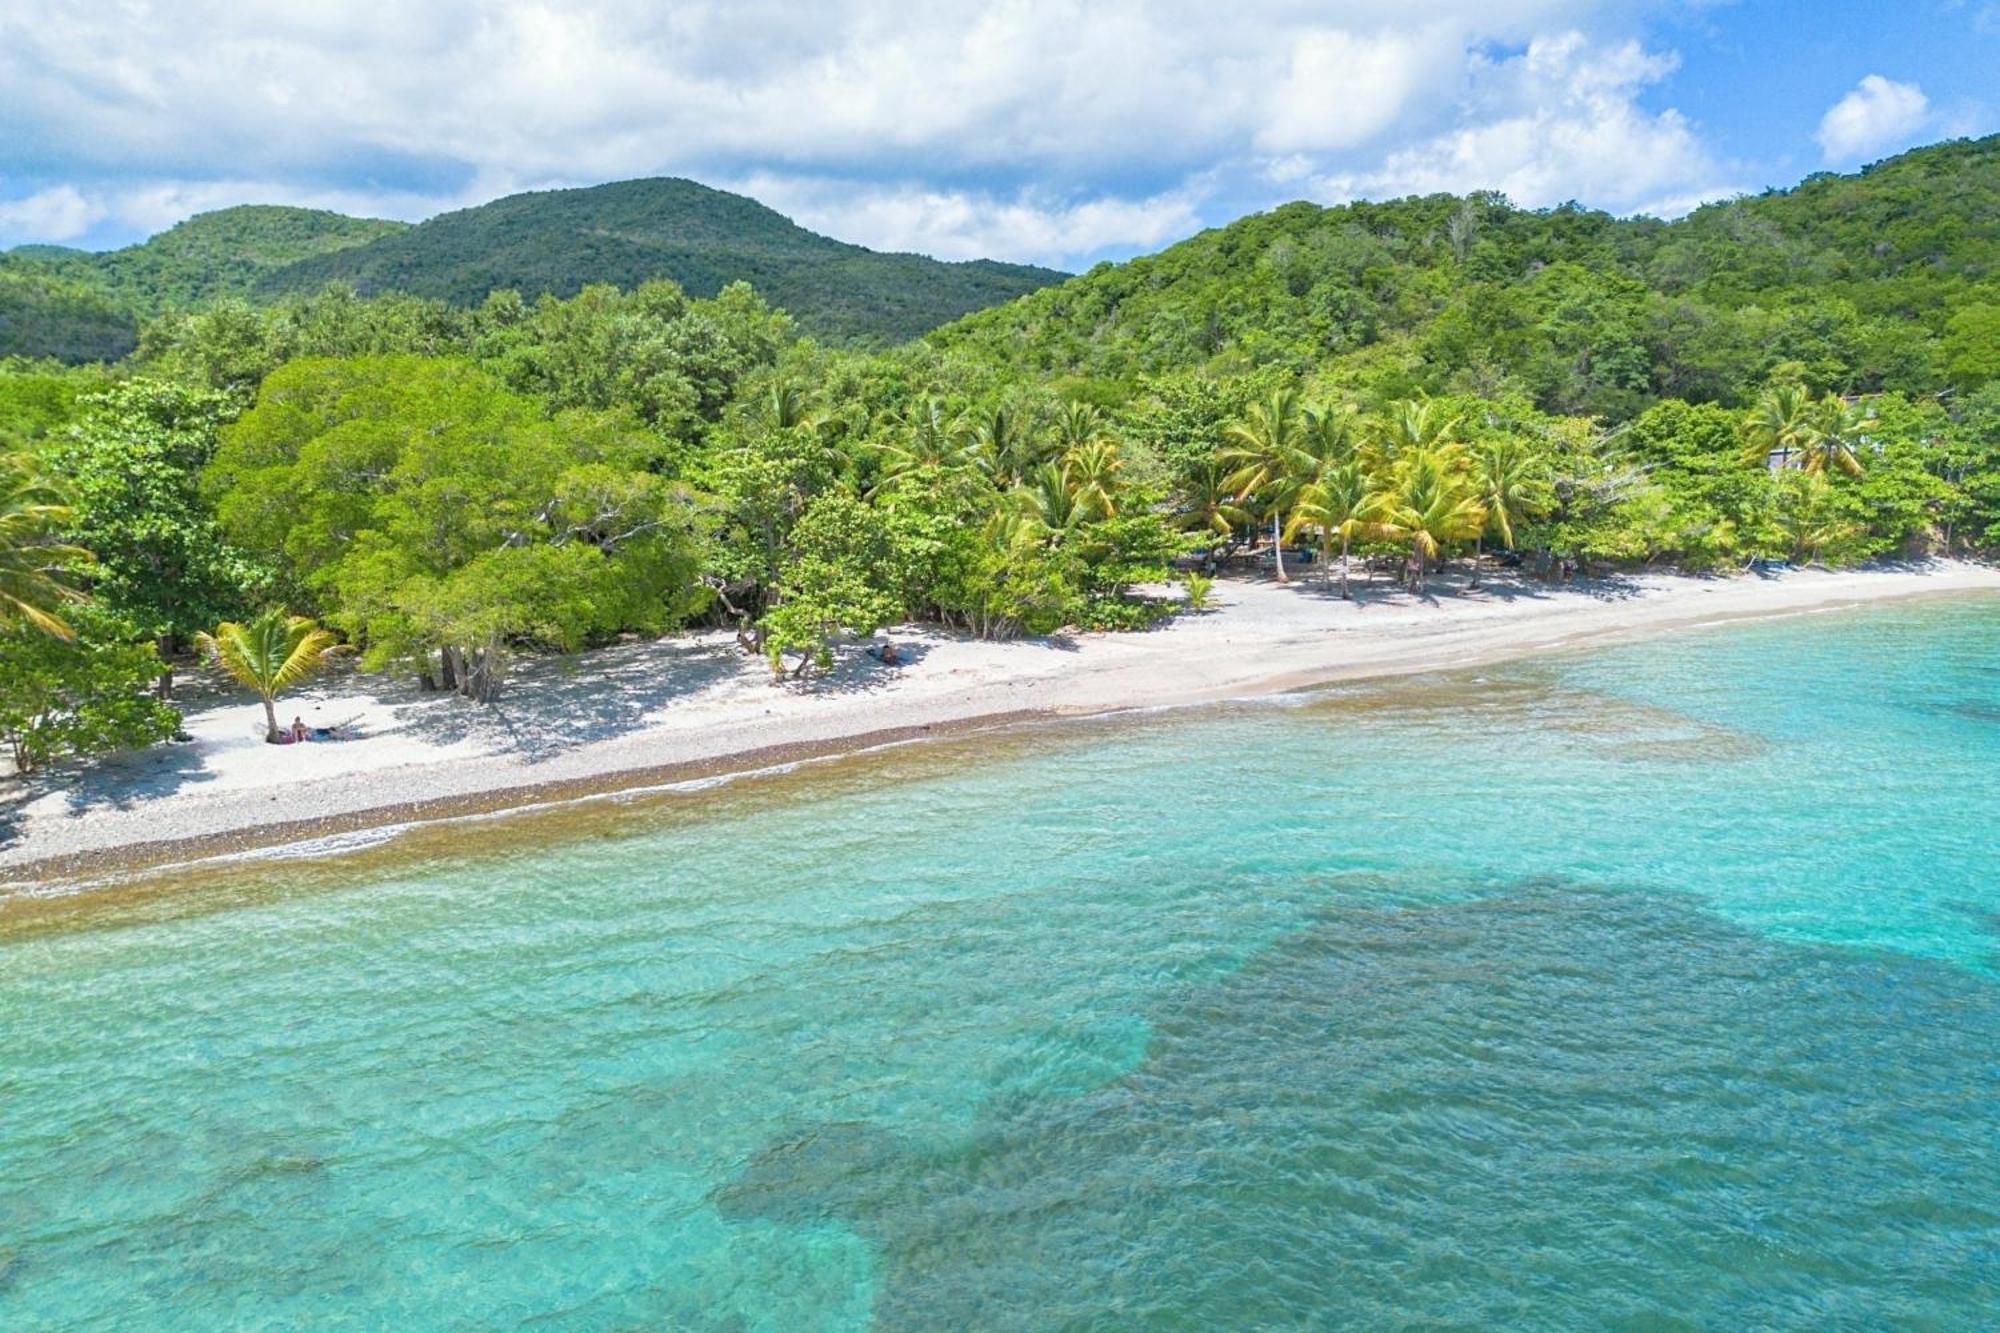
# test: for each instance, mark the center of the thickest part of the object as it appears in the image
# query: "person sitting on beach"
(885, 653)
(298, 730)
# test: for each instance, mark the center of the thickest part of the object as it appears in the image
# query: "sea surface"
(1654, 987)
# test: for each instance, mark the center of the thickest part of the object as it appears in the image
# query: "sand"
(643, 712)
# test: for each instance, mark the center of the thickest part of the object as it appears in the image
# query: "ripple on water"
(1556, 1107)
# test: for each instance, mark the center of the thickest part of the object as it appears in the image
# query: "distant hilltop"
(77, 305)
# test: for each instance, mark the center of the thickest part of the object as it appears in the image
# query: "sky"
(1060, 132)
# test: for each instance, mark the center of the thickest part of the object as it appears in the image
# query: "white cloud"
(59, 213)
(958, 224)
(1049, 130)
(1879, 113)
(1560, 121)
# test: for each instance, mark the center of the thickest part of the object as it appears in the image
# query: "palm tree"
(1342, 502)
(928, 438)
(1092, 472)
(1411, 424)
(269, 654)
(1840, 428)
(1079, 424)
(1512, 483)
(32, 568)
(1807, 515)
(788, 407)
(1435, 503)
(1267, 449)
(1789, 422)
(1211, 502)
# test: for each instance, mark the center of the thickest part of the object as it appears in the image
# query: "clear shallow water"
(1657, 987)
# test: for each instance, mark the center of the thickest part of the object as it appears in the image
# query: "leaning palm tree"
(269, 654)
(1342, 502)
(1267, 450)
(1512, 483)
(1435, 503)
(33, 569)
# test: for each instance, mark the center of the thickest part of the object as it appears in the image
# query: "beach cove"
(694, 706)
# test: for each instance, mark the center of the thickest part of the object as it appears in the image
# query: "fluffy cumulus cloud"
(1559, 121)
(1044, 130)
(1879, 113)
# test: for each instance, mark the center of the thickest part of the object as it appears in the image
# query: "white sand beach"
(625, 713)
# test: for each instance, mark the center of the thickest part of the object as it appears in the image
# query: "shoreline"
(697, 709)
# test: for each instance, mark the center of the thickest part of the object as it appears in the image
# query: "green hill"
(558, 241)
(1874, 280)
(45, 315)
(75, 304)
(78, 305)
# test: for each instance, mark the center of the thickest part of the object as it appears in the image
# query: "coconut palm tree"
(789, 407)
(1840, 431)
(1211, 502)
(1512, 483)
(1078, 424)
(928, 437)
(1435, 502)
(1267, 450)
(1047, 502)
(1412, 424)
(269, 654)
(1791, 423)
(1003, 446)
(33, 569)
(1342, 502)
(1091, 470)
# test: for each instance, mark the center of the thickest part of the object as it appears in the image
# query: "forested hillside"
(559, 241)
(75, 305)
(1889, 279)
(1811, 377)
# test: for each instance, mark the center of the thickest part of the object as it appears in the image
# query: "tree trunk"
(1478, 552)
(1278, 544)
(163, 685)
(1344, 595)
(447, 671)
(270, 722)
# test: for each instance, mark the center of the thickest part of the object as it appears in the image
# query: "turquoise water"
(1649, 988)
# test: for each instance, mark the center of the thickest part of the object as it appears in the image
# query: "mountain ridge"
(536, 242)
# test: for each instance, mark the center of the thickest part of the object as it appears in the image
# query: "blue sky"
(1052, 131)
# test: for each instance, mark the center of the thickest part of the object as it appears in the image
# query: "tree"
(1435, 503)
(1267, 449)
(269, 655)
(841, 574)
(1511, 482)
(134, 462)
(1341, 502)
(1789, 422)
(35, 570)
(77, 696)
(436, 517)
